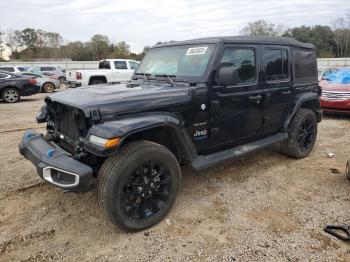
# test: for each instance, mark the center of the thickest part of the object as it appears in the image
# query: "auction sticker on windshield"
(197, 50)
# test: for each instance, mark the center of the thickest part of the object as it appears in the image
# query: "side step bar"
(205, 161)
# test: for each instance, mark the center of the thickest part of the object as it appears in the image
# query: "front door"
(278, 87)
(236, 114)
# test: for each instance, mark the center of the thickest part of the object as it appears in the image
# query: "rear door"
(278, 87)
(123, 72)
(236, 110)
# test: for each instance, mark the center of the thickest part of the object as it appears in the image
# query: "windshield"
(187, 61)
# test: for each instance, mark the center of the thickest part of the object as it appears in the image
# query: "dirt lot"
(265, 207)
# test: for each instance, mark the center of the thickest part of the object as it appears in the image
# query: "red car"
(335, 97)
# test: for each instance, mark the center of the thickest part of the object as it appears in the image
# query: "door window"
(133, 65)
(244, 61)
(276, 64)
(120, 65)
(3, 76)
(8, 69)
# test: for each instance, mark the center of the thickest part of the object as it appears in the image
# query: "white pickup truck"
(109, 71)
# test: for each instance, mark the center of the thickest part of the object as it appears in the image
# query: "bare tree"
(2, 43)
(262, 27)
(341, 34)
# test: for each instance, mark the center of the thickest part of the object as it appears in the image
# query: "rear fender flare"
(308, 100)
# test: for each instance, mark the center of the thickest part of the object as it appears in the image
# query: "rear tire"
(11, 95)
(97, 82)
(62, 79)
(302, 134)
(348, 170)
(138, 186)
(48, 87)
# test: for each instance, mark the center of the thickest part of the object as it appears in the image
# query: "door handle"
(286, 92)
(255, 98)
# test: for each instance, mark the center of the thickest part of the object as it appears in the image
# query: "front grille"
(67, 123)
(335, 96)
(67, 120)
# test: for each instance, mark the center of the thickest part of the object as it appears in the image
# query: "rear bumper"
(73, 84)
(55, 165)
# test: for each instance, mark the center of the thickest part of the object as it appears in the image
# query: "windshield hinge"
(95, 115)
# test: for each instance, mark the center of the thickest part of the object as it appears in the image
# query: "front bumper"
(336, 106)
(29, 90)
(54, 164)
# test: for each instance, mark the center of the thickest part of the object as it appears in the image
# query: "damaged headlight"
(104, 142)
(41, 116)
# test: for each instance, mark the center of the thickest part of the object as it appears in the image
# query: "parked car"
(51, 70)
(323, 71)
(13, 86)
(336, 92)
(13, 69)
(47, 83)
(109, 71)
(197, 102)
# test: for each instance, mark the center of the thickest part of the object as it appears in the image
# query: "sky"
(146, 22)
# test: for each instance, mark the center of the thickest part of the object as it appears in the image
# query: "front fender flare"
(127, 126)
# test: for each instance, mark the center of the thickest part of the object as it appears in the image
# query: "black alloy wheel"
(146, 190)
(306, 133)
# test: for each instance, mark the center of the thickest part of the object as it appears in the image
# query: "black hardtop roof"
(270, 40)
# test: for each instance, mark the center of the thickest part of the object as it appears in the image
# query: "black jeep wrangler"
(197, 102)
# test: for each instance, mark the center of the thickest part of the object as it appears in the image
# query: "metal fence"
(333, 62)
(74, 65)
(68, 65)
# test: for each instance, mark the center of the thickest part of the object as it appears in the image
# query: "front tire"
(11, 95)
(302, 134)
(348, 169)
(138, 186)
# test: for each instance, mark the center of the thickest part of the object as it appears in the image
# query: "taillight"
(33, 81)
(78, 75)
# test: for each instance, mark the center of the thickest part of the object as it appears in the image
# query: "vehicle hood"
(336, 87)
(121, 98)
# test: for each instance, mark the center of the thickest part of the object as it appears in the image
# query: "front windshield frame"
(190, 78)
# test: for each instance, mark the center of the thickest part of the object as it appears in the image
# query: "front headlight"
(104, 142)
(41, 116)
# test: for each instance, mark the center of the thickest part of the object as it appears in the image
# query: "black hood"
(121, 98)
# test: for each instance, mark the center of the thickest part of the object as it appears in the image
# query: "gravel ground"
(264, 207)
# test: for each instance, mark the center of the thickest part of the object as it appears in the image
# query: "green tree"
(99, 45)
(320, 36)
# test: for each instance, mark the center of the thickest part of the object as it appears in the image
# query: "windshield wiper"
(145, 75)
(167, 76)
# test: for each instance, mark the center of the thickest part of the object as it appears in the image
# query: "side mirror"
(227, 76)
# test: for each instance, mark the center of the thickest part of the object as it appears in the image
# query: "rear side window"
(305, 65)
(104, 65)
(244, 60)
(276, 64)
(47, 68)
(120, 65)
(8, 69)
(22, 69)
